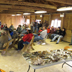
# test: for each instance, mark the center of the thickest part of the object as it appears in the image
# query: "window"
(28, 21)
(38, 21)
(56, 23)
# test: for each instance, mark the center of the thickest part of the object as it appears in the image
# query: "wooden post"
(62, 22)
(50, 18)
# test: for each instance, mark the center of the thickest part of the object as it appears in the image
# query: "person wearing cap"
(25, 40)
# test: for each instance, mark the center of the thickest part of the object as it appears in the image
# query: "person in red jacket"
(25, 40)
(48, 30)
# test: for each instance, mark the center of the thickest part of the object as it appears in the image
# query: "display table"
(46, 65)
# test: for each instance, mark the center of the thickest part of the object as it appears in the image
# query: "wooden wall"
(16, 20)
(8, 19)
(68, 26)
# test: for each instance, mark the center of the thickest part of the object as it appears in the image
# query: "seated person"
(11, 32)
(5, 26)
(25, 31)
(40, 30)
(5, 37)
(48, 30)
(26, 40)
(19, 29)
(52, 30)
(11, 27)
(57, 32)
(62, 34)
(42, 35)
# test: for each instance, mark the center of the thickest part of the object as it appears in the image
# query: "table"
(48, 64)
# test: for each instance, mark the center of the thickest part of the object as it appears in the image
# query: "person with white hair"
(42, 35)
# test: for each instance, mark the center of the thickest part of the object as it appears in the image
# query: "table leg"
(63, 64)
(66, 64)
(34, 70)
(28, 68)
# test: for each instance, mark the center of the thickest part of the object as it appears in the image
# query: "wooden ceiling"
(22, 6)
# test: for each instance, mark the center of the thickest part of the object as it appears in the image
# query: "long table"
(48, 64)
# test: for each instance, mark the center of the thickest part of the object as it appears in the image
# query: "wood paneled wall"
(8, 19)
(68, 26)
(16, 20)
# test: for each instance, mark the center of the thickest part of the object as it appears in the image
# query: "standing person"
(37, 27)
(62, 34)
(40, 24)
(34, 26)
(11, 27)
(45, 24)
(32, 23)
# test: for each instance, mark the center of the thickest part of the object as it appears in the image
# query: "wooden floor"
(14, 61)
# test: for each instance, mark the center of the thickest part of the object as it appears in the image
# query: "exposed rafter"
(27, 4)
(62, 1)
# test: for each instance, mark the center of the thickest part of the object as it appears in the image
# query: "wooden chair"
(28, 46)
(44, 41)
(6, 46)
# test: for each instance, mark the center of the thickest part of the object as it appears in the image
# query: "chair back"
(32, 40)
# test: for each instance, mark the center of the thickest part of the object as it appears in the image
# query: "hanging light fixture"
(64, 9)
(37, 12)
(13, 14)
(40, 15)
(62, 15)
(26, 13)
(18, 14)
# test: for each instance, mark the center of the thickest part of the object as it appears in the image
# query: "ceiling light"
(40, 15)
(41, 12)
(13, 15)
(64, 9)
(18, 14)
(62, 15)
(26, 13)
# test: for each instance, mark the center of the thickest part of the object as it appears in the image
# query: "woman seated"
(26, 40)
(62, 34)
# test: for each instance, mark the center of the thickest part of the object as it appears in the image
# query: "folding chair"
(28, 46)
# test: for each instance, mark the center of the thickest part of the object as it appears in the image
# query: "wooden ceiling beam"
(27, 4)
(53, 3)
(21, 10)
(62, 1)
(22, 7)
